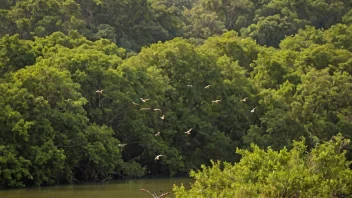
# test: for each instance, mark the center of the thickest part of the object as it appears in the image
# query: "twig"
(155, 195)
(164, 195)
(148, 192)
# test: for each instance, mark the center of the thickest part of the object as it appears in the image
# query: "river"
(114, 189)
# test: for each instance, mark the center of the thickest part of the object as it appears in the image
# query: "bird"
(252, 111)
(158, 157)
(162, 117)
(189, 86)
(188, 132)
(244, 99)
(157, 109)
(135, 103)
(121, 145)
(216, 101)
(157, 134)
(99, 91)
(207, 86)
(144, 100)
(144, 109)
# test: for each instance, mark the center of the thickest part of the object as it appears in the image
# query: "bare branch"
(164, 195)
(155, 195)
(148, 192)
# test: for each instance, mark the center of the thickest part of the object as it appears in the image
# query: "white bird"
(216, 101)
(189, 86)
(99, 91)
(244, 99)
(207, 86)
(121, 145)
(253, 109)
(188, 132)
(157, 134)
(144, 100)
(144, 109)
(158, 157)
(135, 103)
(162, 117)
(157, 109)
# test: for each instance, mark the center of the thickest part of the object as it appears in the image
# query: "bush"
(322, 172)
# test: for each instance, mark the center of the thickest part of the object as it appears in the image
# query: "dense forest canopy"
(75, 76)
(133, 24)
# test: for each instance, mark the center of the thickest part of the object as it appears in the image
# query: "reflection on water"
(128, 189)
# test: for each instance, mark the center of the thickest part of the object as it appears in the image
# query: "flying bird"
(207, 86)
(252, 111)
(144, 109)
(188, 132)
(157, 134)
(189, 86)
(135, 103)
(144, 100)
(244, 99)
(121, 145)
(162, 117)
(157, 109)
(99, 91)
(158, 157)
(216, 101)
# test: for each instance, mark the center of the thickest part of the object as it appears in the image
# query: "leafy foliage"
(322, 172)
(74, 76)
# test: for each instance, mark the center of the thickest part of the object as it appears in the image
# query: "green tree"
(15, 54)
(201, 24)
(321, 103)
(241, 50)
(235, 14)
(47, 127)
(41, 18)
(321, 172)
(185, 72)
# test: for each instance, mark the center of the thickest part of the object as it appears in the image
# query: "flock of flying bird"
(163, 116)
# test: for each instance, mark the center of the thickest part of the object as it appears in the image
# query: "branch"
(154, 195)
(114, 117)
(148, 192)
(164, 195)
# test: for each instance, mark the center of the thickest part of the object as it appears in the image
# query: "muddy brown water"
(113, 189)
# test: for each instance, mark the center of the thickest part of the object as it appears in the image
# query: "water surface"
(128, 189)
